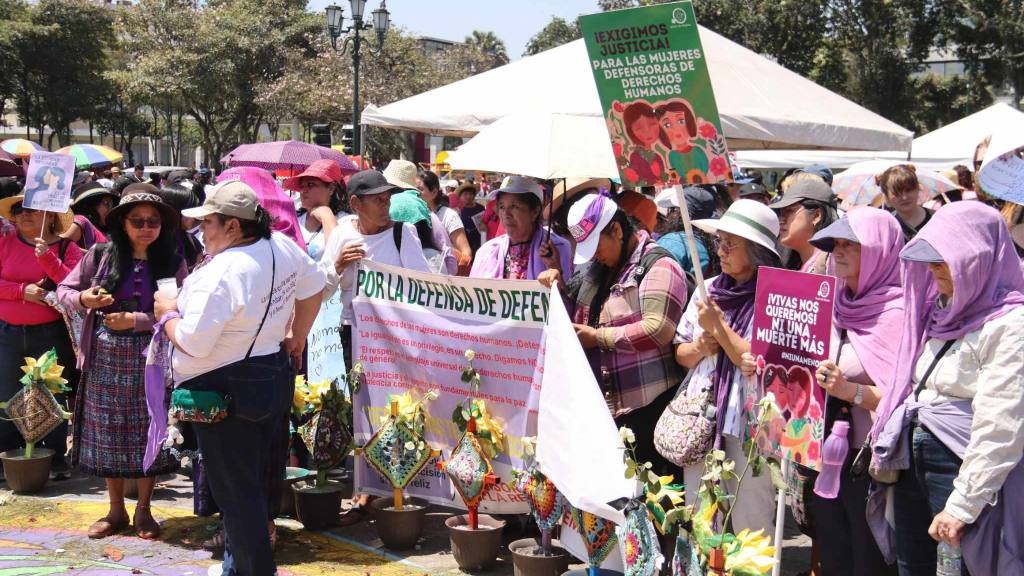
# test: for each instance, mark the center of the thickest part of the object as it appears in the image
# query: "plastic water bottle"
(948, 561)
(833, 456)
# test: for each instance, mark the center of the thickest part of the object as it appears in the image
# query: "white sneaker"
(216, 569)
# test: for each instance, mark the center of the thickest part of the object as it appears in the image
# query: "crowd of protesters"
(929, 320)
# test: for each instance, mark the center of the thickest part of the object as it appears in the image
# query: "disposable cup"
(168, 287)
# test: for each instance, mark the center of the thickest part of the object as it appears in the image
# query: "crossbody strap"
(270, 297)
(931, 367)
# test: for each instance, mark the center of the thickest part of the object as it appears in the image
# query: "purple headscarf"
(873, 316)
(272, 198)
(737, 304)
(974, 242)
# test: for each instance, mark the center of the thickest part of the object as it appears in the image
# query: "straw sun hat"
(66, 219)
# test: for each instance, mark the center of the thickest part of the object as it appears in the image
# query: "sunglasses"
(140, 223)
(19, 209)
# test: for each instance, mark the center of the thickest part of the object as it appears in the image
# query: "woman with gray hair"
(711, 340)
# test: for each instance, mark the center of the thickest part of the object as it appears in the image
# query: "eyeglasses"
(727, 247)
(140, 223)
(19, 209)
(790, 212)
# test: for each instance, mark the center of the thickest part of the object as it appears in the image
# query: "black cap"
(752, 189)
(368, 183)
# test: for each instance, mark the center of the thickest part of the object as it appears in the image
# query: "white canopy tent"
(937, 150)
(762, 104)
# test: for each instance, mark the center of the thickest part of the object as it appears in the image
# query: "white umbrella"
(541, 145)
(856, 186)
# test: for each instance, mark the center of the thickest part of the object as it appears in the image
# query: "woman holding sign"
(865, 247)
(959, 394)
(710, 342)
(30, 268)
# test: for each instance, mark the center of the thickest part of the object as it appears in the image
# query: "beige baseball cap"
(232, 198)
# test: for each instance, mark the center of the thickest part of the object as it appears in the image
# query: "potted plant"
(544, 557)
(328, 436)
(706, 538)
(398, 451)
(475, 539)
(35, 413)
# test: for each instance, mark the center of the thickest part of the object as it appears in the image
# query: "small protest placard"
(652, 78)
(792, 334)
(48, 181)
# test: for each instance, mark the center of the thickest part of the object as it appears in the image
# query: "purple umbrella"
(285, 155)
(9, 165)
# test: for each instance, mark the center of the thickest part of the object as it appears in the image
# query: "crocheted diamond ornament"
(598, 535)
(638, 543)
(387, 453)
(469, 470)
(544, 499)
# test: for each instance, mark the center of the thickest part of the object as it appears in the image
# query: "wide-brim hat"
(586, 219)
(518, 185)
(142, 193)
(401, 173)
(66, 219)
(826, 238)
(90, 190)
(747, 219)
(325, 170)
(569, 187)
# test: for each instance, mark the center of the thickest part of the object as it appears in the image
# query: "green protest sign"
(652, 77)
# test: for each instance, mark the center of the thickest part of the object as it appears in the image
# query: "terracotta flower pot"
(27, 475)
(399, 529)
(317, 507)
(528, 558)
(475, 549)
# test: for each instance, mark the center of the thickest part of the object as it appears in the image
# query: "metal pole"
(780, 521)
(357, 140)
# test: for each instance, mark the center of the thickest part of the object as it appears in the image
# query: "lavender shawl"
(490, 259)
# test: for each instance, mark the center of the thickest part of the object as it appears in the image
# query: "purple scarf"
(490, 261)
(157, 379)
(737, 303)
(873, 316)
(973, 240)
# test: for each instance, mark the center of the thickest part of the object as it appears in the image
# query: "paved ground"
(45, 534)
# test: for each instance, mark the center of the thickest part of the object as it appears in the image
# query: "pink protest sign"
(792, 335)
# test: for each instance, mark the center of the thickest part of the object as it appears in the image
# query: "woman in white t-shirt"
(234, 326)
(430, 190)
(321, 194)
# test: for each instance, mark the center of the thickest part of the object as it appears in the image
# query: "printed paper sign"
(792, 334)
(48, 181)
(412, 331)
(652, 78)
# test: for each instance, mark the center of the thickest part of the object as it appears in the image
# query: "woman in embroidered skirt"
(114, 284)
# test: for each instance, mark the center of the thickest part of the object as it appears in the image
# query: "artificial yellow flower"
(489, 430)
(50, 372)
(300, 397)
(750, 554)
(317, 391)
(703, 528)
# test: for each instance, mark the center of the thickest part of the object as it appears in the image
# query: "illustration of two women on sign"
(666, 142)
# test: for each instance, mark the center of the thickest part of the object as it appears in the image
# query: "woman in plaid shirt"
(625, 301)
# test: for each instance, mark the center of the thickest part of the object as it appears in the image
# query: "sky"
(514, 21)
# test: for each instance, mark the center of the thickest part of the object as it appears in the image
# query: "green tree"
(208, 60)
(61, 58)
(556, 33)
(940, 101)
(989, 36)
(489, 44)
(14, 23)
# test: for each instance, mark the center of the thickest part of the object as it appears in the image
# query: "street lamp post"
(335, 29)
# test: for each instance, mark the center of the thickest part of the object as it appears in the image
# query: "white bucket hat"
(747, 219)
(586, 219)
